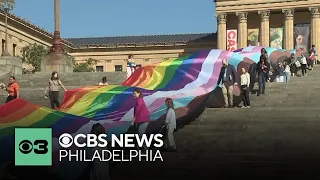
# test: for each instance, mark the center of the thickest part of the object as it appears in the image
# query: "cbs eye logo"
(38, 146)
(65, 140)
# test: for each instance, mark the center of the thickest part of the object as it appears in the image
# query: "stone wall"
(33, 85)
(11, 65)
(109, 58)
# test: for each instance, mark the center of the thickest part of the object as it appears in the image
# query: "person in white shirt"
(131, 66)
(304, 65)
(287, 71)
(171, 124)
(245, 83)
(103, 82)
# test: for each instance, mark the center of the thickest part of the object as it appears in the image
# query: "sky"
(98, 18)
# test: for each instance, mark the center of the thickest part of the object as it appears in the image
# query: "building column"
(222, 31)
(264, 28)
(242, 29)
(288, 29)
(315, 26)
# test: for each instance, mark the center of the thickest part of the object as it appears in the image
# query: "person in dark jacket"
(265, 53)
(263, 69)
(228, 78)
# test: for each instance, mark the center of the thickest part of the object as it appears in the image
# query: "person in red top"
(311, 58)
(141, 114)
(13, 89)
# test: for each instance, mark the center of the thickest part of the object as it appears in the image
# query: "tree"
(85, 66)
(33, 54)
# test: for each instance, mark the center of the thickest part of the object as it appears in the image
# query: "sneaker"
(243, 106)
(248, 106)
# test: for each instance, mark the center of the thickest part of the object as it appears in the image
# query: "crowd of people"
(141, 113)
(292, 64)
(100, 170)
(264, 69)
(228, 78)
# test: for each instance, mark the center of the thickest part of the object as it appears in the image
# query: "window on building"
(14, 49)
(99, 68)
(3, 45)
(118, 67)
(138, 66)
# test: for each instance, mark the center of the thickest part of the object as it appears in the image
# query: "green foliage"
(85, 66)
(33, 54)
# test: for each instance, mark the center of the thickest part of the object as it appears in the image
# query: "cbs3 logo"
(38, 146)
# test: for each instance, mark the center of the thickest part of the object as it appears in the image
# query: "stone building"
(296, 20)
(284, 24)
(111, 52)
(23, 33)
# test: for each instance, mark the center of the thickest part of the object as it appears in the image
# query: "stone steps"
(276, 138)
(72, 79)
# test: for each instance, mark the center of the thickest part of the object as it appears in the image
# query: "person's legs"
(51, 98)
(129, 71)
(142, 130)
(288, 75)
(230, 95)
(56, 98)
(264, 79)
(305, 69)
(293, 70)
(243, 96)
(225, 95)
(246, 93)
(260, 76)
(170, 137)
(302, 69)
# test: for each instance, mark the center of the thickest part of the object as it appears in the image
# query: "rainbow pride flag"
(189, 81)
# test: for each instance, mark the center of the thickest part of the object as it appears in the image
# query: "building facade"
(286, 24)
(22, 33)
(111, 52)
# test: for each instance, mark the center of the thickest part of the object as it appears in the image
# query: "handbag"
(297, 63)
